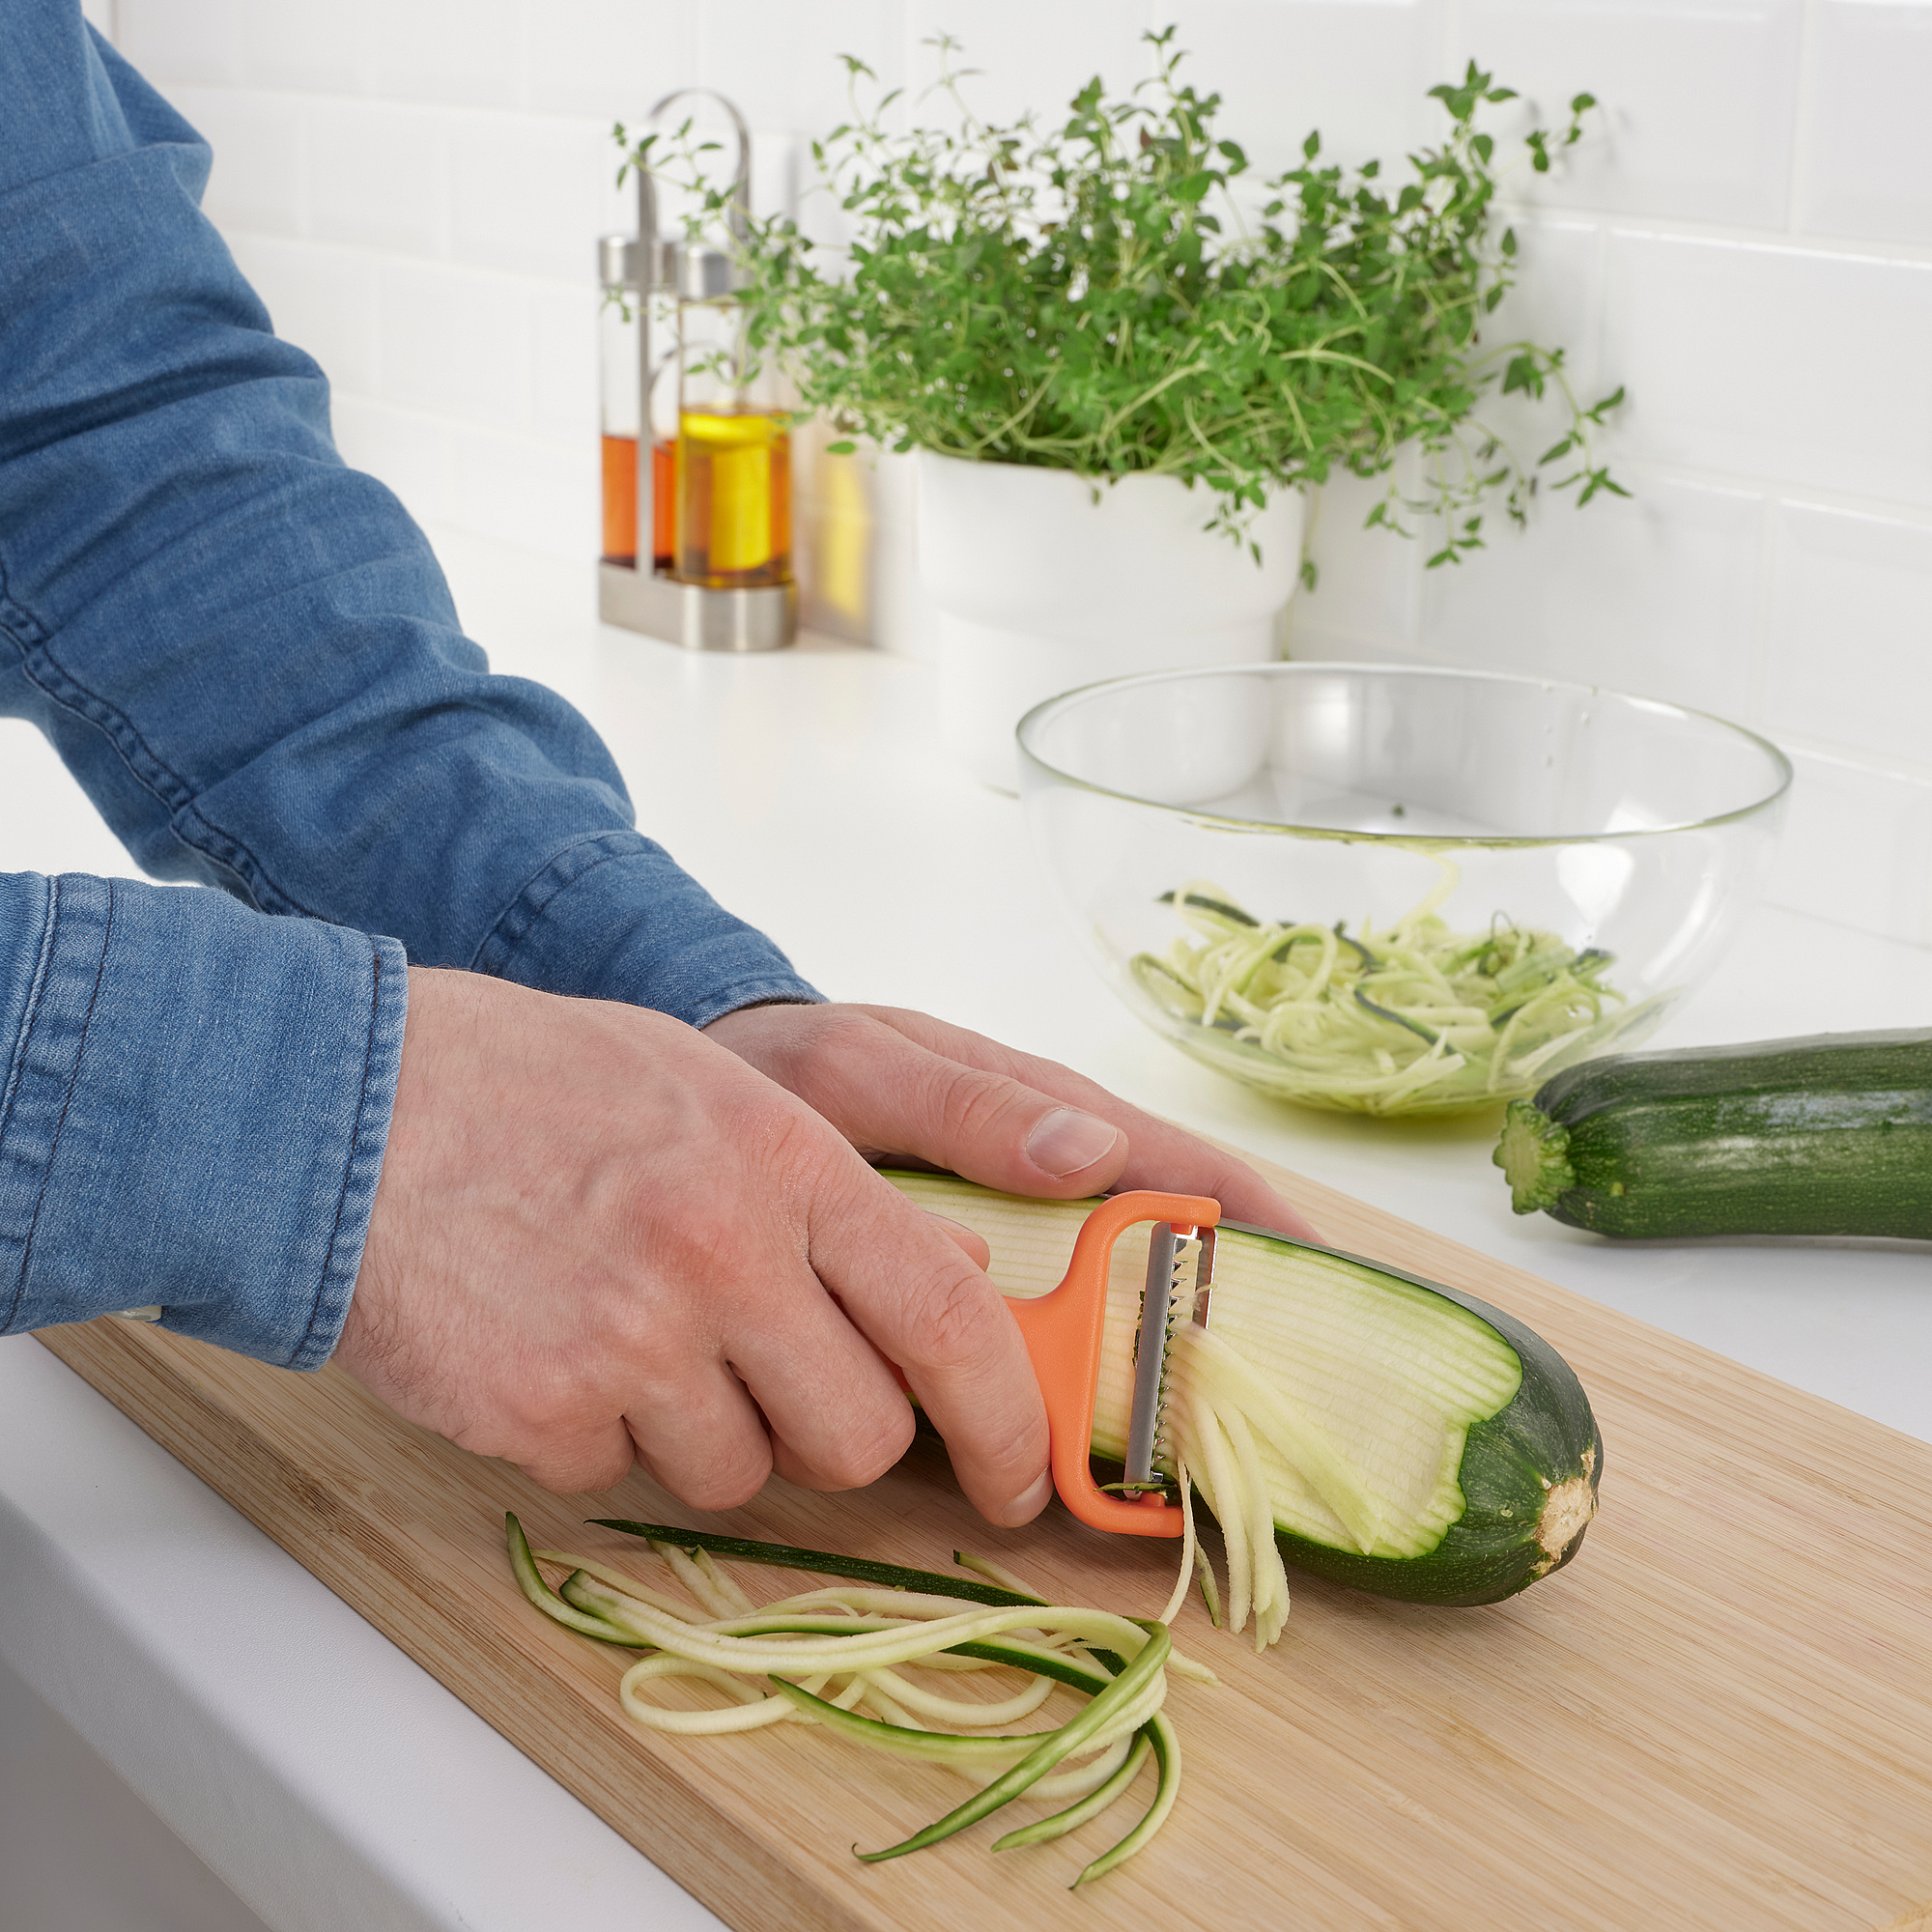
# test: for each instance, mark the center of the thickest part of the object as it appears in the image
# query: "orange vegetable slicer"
(1065, 1329)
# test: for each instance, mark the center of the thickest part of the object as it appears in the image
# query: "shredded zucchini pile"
(1412, 1018)
(831, 1656)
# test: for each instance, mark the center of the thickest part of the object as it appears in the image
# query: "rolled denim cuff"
(194, 1112)
(613, 917)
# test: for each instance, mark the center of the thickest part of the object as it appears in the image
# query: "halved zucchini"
(1416, 1443)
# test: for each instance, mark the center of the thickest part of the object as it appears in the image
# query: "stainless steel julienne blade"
(1151, 1355)
(1169, 1252)
(1204, 1277)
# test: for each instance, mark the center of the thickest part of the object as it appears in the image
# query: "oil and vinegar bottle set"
(697, 539)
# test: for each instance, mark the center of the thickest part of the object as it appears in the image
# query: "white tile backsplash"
(407, 450)
(1857, 847)
(258, 182)
(455, 342)
(1029, 54)
(564, 384)
(1851, 635)
(1797, 365)
(378, 176)
(1869, 87)
(177, 42)
(538, 495)
(610, 60)
(1357, 73)
(322, 299)
(1659, 595)
(310, 49)
(528, 192)
(1695, 120)
(469, 53)
(1745, 242)
(780, 86)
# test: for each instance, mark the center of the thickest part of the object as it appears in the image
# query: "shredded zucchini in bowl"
(1411, 1018)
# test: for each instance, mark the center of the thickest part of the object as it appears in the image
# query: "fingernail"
(1064, 1142)
(1023, 1509)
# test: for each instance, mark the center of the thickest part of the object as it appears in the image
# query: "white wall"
(414, 185)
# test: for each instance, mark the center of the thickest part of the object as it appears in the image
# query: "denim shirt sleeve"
(193, 1106)
(244, 649)
(246, 654)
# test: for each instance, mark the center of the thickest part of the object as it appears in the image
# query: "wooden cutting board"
(1720, 1715)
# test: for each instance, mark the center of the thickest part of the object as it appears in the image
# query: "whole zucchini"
(1472, 1437)
(1826, 1135)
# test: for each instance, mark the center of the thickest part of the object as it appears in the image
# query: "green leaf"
(844, 447)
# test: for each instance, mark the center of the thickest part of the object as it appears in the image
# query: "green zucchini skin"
(1529, 1477)
(1825, 1136)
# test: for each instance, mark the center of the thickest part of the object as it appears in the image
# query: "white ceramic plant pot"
(1036, 588)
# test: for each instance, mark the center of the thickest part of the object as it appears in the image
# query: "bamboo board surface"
(1720, 1715)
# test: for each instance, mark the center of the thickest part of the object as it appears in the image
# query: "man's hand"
(600, 1233)
(902, 1083)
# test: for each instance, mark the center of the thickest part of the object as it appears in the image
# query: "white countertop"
(333, 1784)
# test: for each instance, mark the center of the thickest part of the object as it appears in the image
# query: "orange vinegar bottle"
(620, 500)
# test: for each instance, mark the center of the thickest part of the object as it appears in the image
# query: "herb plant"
(1093, 297)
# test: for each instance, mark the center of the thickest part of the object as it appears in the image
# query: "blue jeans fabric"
(245, 652)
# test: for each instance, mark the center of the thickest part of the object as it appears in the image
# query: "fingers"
(1159, 1155)
(890, 1095)
(699, 1434)
(923, 1304)
(896, 1082)
(838, 1416)
(973, 1246)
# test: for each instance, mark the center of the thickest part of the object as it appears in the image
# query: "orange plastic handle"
(1063, 1331)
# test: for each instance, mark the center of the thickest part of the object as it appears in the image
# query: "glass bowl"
(1390, 889)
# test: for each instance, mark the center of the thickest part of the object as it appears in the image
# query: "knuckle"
(776, 1136)
(720, 1486)
(867, 1449)
(828, 1047)
(951, 1316)
(973, 1104)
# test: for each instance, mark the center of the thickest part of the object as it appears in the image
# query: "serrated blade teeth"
(1179, 1270)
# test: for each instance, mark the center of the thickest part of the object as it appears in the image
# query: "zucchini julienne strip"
(804, 1654)
(1166, 1743)
(821, 1562)
(1221, 908)
(539, 1593)
(1412, 1017)
(1121, 1693)
(1091, 1806)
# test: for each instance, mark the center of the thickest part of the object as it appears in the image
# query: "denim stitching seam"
(34, 989)
(66, 1101)
(176, 797)
(535, 908)
(355, 1149)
